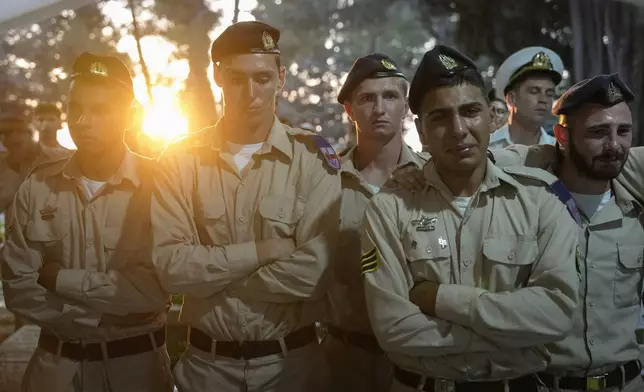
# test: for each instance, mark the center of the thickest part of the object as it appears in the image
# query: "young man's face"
(249, 83)
(532, 99)
(48, 122)
(378, 107)
(455, 125)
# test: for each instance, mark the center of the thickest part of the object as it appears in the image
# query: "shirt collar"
(130, 169)
(493, 178)
(278, 139)
(503, 135)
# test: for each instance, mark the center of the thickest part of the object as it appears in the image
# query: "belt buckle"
(242, 347)
(596, 383)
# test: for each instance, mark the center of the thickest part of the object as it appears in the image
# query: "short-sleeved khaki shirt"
(347, 309)
(108, 288)
(610, 262)
(207, 217)
(506, 269)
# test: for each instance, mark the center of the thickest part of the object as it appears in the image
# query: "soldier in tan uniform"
(467, 280)
(595, 133)
(245, 218)
(374, 97)
(77, 260)
(605, 180)
(22, 154)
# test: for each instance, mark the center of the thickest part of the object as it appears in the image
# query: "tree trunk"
(137, 37)
(236, 14)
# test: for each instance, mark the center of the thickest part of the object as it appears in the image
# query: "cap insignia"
(448, 62)
(541, 60)
(99, 69)
(388, 65)
(614, 94)
(267, 40)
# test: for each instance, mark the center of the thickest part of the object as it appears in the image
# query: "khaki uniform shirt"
(10, 179)
(207, 217)
(506, 270)
(610, 262)
(347, 308)
(108, 288)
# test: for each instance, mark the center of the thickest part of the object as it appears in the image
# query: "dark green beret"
(605, 90)
(372, 66)
(108, 69)
(440, 62)
(245, 38)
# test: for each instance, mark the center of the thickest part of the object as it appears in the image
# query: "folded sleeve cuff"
(69, 283)
(242, 259)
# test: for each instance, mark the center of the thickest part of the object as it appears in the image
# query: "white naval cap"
(531, 59)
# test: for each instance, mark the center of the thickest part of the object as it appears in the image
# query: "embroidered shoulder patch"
(369, 261)
(330, 156)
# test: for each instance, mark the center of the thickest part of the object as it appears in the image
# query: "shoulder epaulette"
(49, 166)
(554, 183)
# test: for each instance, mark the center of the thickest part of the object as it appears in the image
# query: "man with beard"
(606, 183)
(527, 80)
(468, 279)
(374, 97)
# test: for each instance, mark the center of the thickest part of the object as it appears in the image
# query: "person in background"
(47, 121)
(499, 110)
(375, 99)
(77, 258)
(468, 279)
(245, 219)
(527, 80)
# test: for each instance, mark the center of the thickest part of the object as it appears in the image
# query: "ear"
(349, 110)
(561, 134)
(217, 75)
(419, 129)
(511, 98)
(282, 78)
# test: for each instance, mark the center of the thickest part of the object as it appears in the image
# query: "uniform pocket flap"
(511, 250)
(281, 209)
(630, 256)
(214, 210)
(45, 231)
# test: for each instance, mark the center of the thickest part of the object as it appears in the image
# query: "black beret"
(244, 38)
(106, 68)
(47, 108)
(605, 90)
(440, 62)
(372, 66)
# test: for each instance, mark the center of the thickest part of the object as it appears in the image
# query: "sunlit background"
(163, 119)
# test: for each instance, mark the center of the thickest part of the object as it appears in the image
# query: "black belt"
(619, 377)
(521, 384)
(253, 349)
(357, 339)
(92, 351)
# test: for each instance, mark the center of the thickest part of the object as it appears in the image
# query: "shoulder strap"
(562, 193)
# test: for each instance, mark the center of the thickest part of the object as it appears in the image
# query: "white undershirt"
(242, 153)
(461, 204)
(375, 189)
(591, 204)
(90, 186)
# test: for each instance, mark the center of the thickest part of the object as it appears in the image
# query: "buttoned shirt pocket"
(279, 215)
(508, 262)
(214, 227)
(427, 257)
(51, 237)
(628, 275)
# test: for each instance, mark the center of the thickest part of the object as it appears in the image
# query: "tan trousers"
(637, 385)
(353, 369)
(147, 372)
(300, 370)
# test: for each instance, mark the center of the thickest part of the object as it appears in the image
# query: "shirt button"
(591, 303)
(91, 207)
(466, 262)
(428, 250)
(592, 266)
(49, 235)
(90, 242)
(511, 256)
(280, 214)
(591, 342)
(241, 219)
